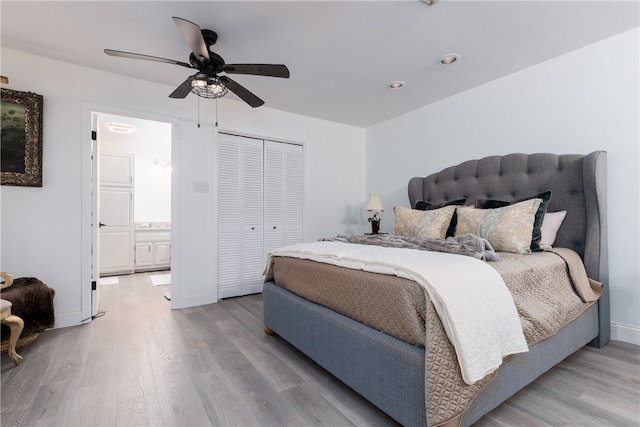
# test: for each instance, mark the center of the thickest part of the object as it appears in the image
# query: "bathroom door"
(116, 221)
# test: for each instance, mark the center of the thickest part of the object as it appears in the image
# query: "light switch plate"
(200, 187)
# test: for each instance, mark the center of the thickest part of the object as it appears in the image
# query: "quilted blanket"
(474, 305)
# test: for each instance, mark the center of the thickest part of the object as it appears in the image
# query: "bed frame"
(389, 372)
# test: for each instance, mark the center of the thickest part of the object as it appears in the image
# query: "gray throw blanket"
(468, 244)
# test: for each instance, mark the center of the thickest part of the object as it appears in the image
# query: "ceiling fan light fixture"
(209, 87)
(398, 84)
(449, 59)
(199, 80)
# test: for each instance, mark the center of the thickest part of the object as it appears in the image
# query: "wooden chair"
(14, 322)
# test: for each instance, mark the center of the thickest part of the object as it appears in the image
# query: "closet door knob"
(253, 228)
(274, 227)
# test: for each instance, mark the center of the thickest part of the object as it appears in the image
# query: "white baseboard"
(195, 300)
(65, 320)
(626, 333)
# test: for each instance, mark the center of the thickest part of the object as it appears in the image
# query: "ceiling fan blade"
(183, 90)
(242, 92)
(271, 70)
(122, 54)
(193, 36)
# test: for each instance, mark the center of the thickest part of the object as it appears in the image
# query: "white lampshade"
(374, 203)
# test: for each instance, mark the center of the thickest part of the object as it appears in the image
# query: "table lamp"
(375, 206)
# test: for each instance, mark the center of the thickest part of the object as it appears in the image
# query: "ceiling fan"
(206, 82)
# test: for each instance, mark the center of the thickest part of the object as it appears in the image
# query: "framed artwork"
(21, 138)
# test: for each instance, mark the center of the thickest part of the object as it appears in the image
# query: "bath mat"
(161, 279)
(113, 280)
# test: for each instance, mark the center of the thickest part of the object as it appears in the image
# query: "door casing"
(89, 233)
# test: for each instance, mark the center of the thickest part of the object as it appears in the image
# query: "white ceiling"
(342, 55)
(144, 131)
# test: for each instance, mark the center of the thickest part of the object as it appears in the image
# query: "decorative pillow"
(508, 229)
(415, 223)
(535, 234)
(426, 206)
(550, 226)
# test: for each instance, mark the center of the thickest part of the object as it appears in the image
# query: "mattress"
(397, 306)
(390, 304)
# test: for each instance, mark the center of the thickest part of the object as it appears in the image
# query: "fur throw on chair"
(33, 302)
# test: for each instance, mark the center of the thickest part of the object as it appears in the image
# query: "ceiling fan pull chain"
(216, 112)
(198, 112)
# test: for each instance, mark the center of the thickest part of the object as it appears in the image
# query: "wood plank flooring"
(145, 364)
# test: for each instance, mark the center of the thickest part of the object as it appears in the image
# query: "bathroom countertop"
(153, 226)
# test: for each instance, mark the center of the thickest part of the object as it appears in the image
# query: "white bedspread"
(473, 302)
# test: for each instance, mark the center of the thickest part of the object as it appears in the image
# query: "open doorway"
(133, 192)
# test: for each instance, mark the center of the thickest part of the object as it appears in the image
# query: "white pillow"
(550, 225)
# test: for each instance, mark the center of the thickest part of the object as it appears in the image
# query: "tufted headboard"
(577, 183)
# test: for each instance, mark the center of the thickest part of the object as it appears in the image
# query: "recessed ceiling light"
(396, 85)
(449, 59)
(119, 128)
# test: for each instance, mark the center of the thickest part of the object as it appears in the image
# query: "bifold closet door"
(293, 193)
(252, 197)
(274, 204)
(260, 208)
(283, 194)
(240, 212)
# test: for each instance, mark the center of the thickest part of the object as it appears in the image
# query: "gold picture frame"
(21, 138)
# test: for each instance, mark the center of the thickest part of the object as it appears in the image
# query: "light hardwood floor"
(144, 364)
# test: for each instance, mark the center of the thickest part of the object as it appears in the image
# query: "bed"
(390, 372)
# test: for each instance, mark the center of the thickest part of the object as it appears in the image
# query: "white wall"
(580, 102)
(41, 231)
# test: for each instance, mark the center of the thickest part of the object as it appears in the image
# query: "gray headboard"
(577, 183)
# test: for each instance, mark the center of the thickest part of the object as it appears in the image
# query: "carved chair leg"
(268, 331)
(16, 325)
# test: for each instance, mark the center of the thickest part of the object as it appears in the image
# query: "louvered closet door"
(293, 193)
(273, 195)
(260, 200)
(229, 219)
(252, 215)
